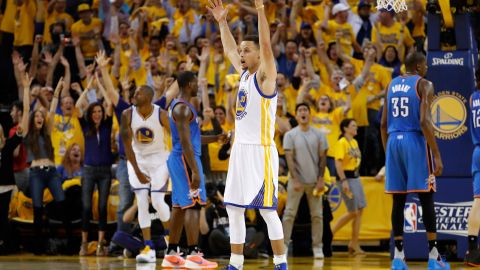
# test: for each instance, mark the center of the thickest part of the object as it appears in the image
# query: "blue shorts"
(476, 171)
(409, 164)
(181, 178)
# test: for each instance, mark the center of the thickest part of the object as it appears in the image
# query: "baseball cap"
(305, 26)
(392, 12)
(339, 8)
(83, 7)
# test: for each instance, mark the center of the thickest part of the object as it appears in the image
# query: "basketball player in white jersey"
(252, 178)
(143, 126)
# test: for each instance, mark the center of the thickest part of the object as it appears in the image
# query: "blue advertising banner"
(453, 202)
(452, 74)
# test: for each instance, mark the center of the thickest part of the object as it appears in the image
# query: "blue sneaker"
(230, 267)
(438, 264)
(399, 264)
(282, 266)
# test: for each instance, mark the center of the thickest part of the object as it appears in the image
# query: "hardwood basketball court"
(341, 261)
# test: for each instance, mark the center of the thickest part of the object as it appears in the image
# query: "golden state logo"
(449, 115)
(241, 110)
(144, 135)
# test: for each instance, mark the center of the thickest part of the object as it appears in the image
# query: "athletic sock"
(399, 254)
(236, 260)
(150, 244)
(172, 248)
(279, 259)
(193, 250)
(432, 246)
(472, 242)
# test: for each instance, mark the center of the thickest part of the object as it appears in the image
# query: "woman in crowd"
(97, 130)
(347, 161)
(43, 172)
(72, 163)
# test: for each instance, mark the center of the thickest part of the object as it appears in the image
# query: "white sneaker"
(147, 256)
(318, 253)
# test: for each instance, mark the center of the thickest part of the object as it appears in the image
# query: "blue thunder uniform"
(409, 161)
(475, 130)
(178, 167)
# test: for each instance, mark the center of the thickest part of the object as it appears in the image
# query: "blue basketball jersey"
(195, 136)
(403, 105)
(475, 119)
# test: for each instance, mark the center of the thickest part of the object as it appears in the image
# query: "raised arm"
(426, 91)
(82, 69)
(229, 44)
(35, 56)
(26, 82)
(110, 92)
(267, 70)
(67, 77)
(53, 105)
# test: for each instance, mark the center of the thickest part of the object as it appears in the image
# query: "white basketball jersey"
(255, 113)
(148, 133)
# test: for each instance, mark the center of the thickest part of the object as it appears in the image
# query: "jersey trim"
(260, 91)
(250, 206)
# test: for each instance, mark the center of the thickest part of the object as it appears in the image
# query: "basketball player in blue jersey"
(188, 184)
(472, 257)
(412, 156)
(252, 179)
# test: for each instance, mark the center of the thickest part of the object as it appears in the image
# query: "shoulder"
(127, 114)
(182, 111)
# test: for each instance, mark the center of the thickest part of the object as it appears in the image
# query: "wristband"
(260, 7)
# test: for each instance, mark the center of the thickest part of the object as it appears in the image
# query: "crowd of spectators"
(76, 63)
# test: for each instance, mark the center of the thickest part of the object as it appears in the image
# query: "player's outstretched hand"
(217, 9)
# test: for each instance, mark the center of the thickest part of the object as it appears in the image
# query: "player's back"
(195, 136)
(403, 105)
(475, 122)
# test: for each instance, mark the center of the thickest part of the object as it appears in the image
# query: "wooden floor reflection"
(341, 261)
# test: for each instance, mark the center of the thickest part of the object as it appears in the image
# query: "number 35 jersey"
(403, 105)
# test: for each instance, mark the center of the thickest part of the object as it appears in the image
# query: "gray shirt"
(306, 146)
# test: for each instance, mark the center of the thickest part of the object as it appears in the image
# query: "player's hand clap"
(142, 177)
(195, 181)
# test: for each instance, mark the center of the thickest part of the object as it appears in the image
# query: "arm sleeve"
(288, 141)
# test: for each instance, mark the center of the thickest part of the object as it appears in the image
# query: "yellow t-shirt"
(217, 165)
(359, 108)
(8, 20)
(89, 36)
(349, 153)
(55, 17)
(391, 35)
(339, 98)
(329, 124)
(419, 27)
(377, 80)
(348, 37)
(25, 23)
(66, 131)
(291, 98)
